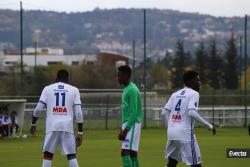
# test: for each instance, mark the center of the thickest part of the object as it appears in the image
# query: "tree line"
(218, 69)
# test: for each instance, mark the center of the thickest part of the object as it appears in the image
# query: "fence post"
(213, 101)
(106, 113)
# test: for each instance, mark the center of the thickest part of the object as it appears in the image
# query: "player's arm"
(36, 114)
(196, 116)
(166, 111)
(192, 112)
(79, 118)
(133, 109)
(165, 116)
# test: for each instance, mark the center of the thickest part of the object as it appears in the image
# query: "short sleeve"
(193, 102)
(43, 97)
(77, 100)
(168, 106)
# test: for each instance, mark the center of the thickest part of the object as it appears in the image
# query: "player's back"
(60, 99)
(180, 124)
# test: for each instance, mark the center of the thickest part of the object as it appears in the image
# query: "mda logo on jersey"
(60, 110)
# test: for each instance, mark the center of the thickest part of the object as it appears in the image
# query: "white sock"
(13, 130)
(46, 163)
(73, 163)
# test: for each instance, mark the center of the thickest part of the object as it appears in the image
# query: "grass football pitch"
(101, 148)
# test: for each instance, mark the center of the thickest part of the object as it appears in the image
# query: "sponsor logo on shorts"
(238, 153)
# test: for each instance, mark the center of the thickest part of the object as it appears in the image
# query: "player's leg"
(47, 159)
(172, 153)
(190, 153)
(49, 147)
(172, 162)
(6, 130)
(126, 159)
(125, 152)
(134, 158)
(72, 160)
(68, 147)
(134, 144)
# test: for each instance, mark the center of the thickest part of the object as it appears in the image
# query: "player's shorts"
(65, 140)
(187, 152)
(132, 139)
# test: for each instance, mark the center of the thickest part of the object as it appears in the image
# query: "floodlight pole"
(21, 48)
(241, 63)
(35, 55)
(134, 60)
(144, 70)
(245, 70)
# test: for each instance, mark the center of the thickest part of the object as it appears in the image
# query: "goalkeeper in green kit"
(131, 118)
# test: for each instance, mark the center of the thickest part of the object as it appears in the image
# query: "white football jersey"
(60, 99)
(180, 124)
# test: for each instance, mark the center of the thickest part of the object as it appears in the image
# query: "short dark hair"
(62, 75)
(189, 75)
(125, 69)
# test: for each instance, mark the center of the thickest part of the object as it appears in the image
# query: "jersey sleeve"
(193, 102)
(133, 107)
(77, 100)
(167, 108)
(43, 97)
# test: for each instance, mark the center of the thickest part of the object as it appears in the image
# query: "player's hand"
(33, 130)
(79, 139)
(122, 135)
(214, 130)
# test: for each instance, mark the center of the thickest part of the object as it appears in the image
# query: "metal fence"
(103, 111)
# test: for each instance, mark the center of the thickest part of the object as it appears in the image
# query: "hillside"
(88, 32)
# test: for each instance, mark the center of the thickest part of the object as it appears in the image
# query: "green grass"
(101, 148)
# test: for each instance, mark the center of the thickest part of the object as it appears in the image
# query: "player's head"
(191, 79)
(14, 113)
(124, 74)
(62, 76)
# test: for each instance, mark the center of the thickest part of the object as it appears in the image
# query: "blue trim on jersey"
(77, 104)
(192, 109)
(193, 146)
(42, 102)
(167, 109)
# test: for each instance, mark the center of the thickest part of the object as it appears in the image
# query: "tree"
(201, 64)
(159, 76)
(231, 70)
(215, 64)
(178, 66)
(167, 60)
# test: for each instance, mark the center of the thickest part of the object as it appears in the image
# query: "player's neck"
(126, 84)
(62, 82)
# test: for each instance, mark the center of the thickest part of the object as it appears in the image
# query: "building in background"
(112, 58)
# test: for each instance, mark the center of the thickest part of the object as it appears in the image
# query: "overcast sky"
(212, 7)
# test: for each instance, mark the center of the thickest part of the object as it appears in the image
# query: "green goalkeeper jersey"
(131, 105)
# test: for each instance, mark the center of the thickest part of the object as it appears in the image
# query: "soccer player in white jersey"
(62, 101)
(180, 113)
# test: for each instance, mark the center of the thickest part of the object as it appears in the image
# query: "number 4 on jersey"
(178, 106)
